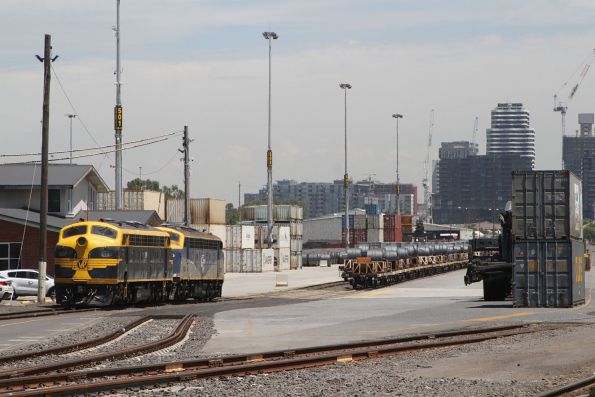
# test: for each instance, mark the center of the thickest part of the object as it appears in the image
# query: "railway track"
(586, 383)
(83, 359)
(241, 365)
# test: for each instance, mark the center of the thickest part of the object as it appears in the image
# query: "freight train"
(367, 267)
(123, 263)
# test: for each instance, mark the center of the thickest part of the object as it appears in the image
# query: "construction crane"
(425, 182)
(474, 138)
(577, 78)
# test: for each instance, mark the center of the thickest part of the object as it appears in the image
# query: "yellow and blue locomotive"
(112, 262)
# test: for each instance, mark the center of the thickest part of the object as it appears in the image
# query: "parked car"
(25, 282)
(6, 290)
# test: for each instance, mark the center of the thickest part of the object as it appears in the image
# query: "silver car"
(6, 290)
(25, 282)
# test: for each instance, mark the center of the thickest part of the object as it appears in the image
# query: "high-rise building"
(323, 198)
(578, 153)
(511, 132)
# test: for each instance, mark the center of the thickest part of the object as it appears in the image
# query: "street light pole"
(398, 116)
(71, 116)
(270, 36)
(345, 87)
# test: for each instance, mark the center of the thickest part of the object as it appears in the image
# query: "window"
(54, 200)
(9, 256)
(104, 231)
(74, 231)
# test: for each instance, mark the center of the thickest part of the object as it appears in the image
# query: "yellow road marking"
(371, 294)
(500, 317)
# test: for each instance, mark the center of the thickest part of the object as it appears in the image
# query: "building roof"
(55, 223)
(147, 217)
(20, 216)
(59, 175)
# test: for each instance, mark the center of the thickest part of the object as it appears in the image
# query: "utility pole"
(239, 201)
(186, 145)
(270, 36)
(345, 87)
(118, 115)
(71, 116)
(398, 116)
(43, 197)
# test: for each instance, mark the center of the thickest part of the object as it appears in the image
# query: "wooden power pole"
(43, 196)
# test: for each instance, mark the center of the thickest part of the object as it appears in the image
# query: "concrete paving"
(245, 284)
(426, 305)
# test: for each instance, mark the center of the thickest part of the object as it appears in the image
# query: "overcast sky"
(204, 64)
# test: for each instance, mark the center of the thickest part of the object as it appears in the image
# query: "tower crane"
(577, 78)
(425, 182)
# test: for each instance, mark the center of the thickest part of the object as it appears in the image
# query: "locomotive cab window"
(104, 231)
(74, 231)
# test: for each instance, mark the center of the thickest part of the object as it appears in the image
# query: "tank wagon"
(122, 263)
(368, 267)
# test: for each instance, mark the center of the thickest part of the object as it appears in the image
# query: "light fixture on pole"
(270, 36)
(345, 87)
(71, 116)
(398, 116)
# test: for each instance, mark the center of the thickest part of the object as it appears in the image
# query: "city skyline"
(205, 66)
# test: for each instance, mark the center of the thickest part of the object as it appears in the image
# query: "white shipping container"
(283, 257)
(281, 213)
(323, 228)
(296, 244)
(282, 237)
(375, 235)
(268, 260)
(296, 228)
(233, 259)
(251, 261)
(240, 236)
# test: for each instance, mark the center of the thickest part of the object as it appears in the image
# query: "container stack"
(206, 214)
(375, 228)
(392, 229)
(242, 254)
(549, 266)
(284, 216)
(357, 229)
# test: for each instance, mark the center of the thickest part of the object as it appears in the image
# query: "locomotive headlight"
(81, 241)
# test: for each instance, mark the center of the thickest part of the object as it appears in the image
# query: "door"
(20, 282)
(33, 282)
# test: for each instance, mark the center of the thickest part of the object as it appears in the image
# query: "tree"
(589, 231)
(173, 192)
(143, 184)
(232, 215)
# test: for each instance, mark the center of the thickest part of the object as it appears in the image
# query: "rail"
(239, 365)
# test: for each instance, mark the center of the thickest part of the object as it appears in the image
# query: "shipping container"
(546, 205)
(281, 213)
(283, 258)
(375, 221)
(296, 244)
(392, 221)
(202, 211)
(373, 209)
(407, 219)
(375, 235)
(323, 228)
(548, 273)
(295, 260)
(296, 228)
(393, 235)
(268, 260)
(233, 258)
(240, 236)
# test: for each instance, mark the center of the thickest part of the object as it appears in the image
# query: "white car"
(6, 290)
(25, 282)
